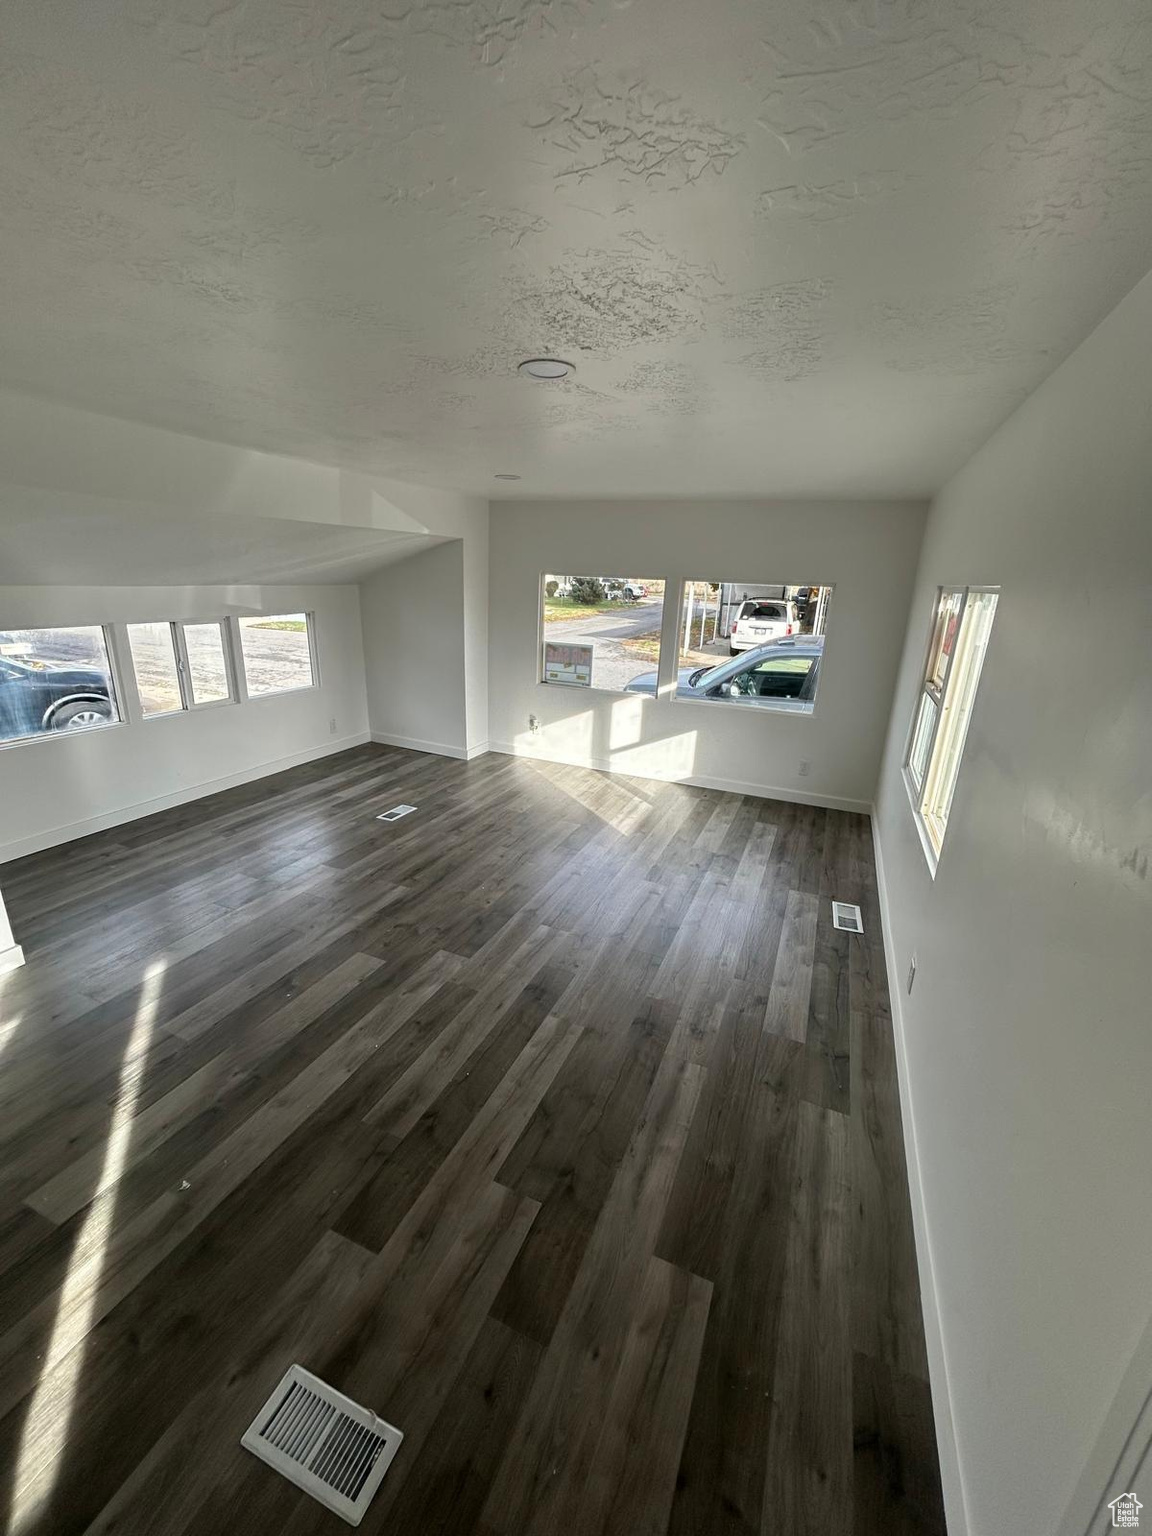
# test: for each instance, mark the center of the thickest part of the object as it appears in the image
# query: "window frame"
(609, 693)
(784, 707)
(184, 666)
(241, 665)
(767, 701)
(918, 791)
(115, 680)
(188, 704)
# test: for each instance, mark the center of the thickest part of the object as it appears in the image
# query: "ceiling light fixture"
(505, 477)
(546, 368)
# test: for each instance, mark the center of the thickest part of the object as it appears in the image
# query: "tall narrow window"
(961, 626)
(206, 660)
(154, 662)
(277, 651)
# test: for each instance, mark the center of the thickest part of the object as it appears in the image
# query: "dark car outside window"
(784, 677)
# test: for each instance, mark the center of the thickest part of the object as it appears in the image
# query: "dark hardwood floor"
(555, 1123)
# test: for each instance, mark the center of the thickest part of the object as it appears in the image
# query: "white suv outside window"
(762, 618)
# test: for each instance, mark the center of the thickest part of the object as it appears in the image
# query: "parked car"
(782, 674)
(624, 591)
(759, 619)
(51, 696)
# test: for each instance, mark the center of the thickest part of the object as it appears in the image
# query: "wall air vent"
(846, 916)
(396, 812)
(323, 1442)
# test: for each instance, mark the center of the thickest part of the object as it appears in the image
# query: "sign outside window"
(570, 665)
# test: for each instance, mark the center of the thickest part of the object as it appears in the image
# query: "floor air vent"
(396, 812)
(323, 1442)
(846, 916)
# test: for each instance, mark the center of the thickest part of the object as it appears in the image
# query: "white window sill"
(88, 730)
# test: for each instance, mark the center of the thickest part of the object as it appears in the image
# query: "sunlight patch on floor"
(45, 1433)
(8, 1030)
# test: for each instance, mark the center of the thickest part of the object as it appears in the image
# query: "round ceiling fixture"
(546, 368)
(505, 477)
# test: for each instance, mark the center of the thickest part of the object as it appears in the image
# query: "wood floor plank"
(787, 1012)
(526, 1026)
(632, 1477)
(398, 1110)
(176, 1471)
(568, 1162)
(809, 1478)
(885, 1284)
(696, 1232)
(829, 1021)
(541, 1477)
(108, 1262)
(445, 1489)
(720, 1486)
(554, 1123)
(896, 1478)
(85, 1179)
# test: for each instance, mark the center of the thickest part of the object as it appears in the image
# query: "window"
(154, 662)
(778, 677)
(180, 666)
(277, 651)
(601, 631)
(961, 626)
(55, 680)
(207, 659)
(774, 632)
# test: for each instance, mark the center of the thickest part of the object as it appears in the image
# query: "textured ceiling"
(792, 248)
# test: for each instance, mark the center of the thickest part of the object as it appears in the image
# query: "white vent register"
(846, 916)
(396, 812)
(323, 1442)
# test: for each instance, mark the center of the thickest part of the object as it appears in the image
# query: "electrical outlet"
(804, 767)
(912, 973)
(332, 726)
(533, 724)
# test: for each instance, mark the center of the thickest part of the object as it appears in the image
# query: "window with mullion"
(961, 627)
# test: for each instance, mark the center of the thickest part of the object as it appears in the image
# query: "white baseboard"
(955, 1505)
(732, 786)
(20, 847)
(11, 958)
(439, 748)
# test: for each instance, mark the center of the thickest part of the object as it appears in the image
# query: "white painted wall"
(429, 614)
(1026, 1040)
(58, 787)
(413, 621)
(868, 550)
